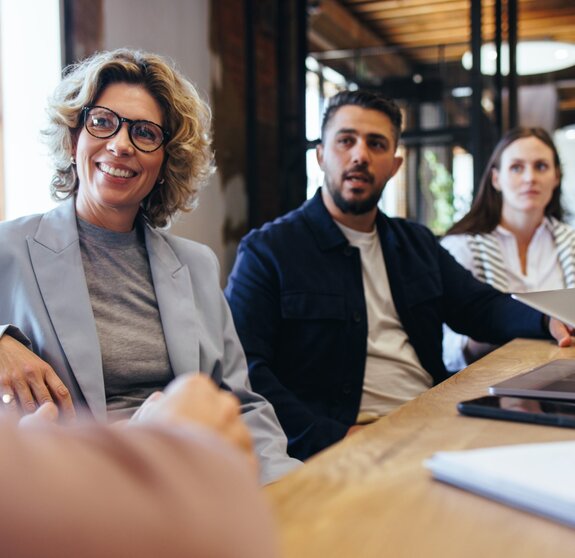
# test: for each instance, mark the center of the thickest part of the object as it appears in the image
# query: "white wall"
(178, 29)
(30, 68)
(565, 142)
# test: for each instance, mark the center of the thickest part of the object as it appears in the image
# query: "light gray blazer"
(43, 292)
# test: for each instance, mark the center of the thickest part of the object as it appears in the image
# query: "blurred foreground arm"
(195, 399)
(162, 488)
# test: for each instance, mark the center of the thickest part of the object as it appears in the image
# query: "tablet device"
(559, 304)
(554, 380)
(539, 411)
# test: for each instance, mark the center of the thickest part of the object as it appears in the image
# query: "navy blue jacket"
(296, 294)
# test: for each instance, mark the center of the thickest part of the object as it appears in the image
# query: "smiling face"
(526, 178)
(114, 177)
(357, 156)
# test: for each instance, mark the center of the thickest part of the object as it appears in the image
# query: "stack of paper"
(539, 478)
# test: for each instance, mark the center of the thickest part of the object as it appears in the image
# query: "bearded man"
(340, 309)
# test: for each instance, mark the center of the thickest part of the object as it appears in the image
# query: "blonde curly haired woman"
(110, 306)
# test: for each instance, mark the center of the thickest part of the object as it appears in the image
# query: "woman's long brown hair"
(485, 212)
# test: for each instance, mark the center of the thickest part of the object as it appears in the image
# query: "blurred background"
(267, 66)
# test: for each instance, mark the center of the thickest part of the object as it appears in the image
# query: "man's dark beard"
(359, 207)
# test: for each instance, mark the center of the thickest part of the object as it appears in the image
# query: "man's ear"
(397, 162)
(319, 155)
(495, 179)
(75, 134)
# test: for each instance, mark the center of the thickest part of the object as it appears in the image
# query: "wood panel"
(370, 495)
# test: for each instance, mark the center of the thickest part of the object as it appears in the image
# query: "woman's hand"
(561, 332)
(196, 399)
(26, 381)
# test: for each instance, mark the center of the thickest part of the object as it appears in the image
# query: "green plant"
(441, 188)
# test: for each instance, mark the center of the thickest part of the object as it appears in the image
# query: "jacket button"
(346, 389)
(347, 251)
(356, 317)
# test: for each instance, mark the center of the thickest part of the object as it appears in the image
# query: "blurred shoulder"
(22, 225)
(280, 228)
(455, 242)
(458, 245)
(406, 230)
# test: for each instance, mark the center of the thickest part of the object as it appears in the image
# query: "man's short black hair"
(366, 100)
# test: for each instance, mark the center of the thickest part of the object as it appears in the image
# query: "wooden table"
(370, 495)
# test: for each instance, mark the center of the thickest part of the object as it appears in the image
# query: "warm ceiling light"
(533, 57)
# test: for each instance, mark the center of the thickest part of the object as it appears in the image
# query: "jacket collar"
(327, 234)
(62, 220)
(55, 256)
(176, 303)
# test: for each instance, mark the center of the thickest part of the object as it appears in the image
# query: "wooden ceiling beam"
(446, 8)
(417, 27)
(385, 6)
(567, 104)
(334, 24)
(540, 17)
(427, 33)
(367, 9)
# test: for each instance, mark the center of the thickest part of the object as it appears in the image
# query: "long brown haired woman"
(513, 236)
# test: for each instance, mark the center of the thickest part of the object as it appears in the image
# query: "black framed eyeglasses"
(103, 123)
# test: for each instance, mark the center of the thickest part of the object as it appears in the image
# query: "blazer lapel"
(176, 303)
(57, 262)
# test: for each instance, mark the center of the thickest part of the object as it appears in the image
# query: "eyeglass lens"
(104, 123)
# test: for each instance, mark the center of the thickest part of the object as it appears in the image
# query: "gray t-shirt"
(134, 354)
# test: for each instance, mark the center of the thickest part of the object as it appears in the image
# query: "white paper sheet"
(539, 478)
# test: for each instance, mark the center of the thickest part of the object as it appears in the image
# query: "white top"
(543, 273)
(393, 373)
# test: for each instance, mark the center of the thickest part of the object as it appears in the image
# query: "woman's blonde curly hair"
(188, 159)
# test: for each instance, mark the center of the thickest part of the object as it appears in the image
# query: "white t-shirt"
(543, 273)
(393, 373)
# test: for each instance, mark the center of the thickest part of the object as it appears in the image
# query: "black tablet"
(540, 411)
